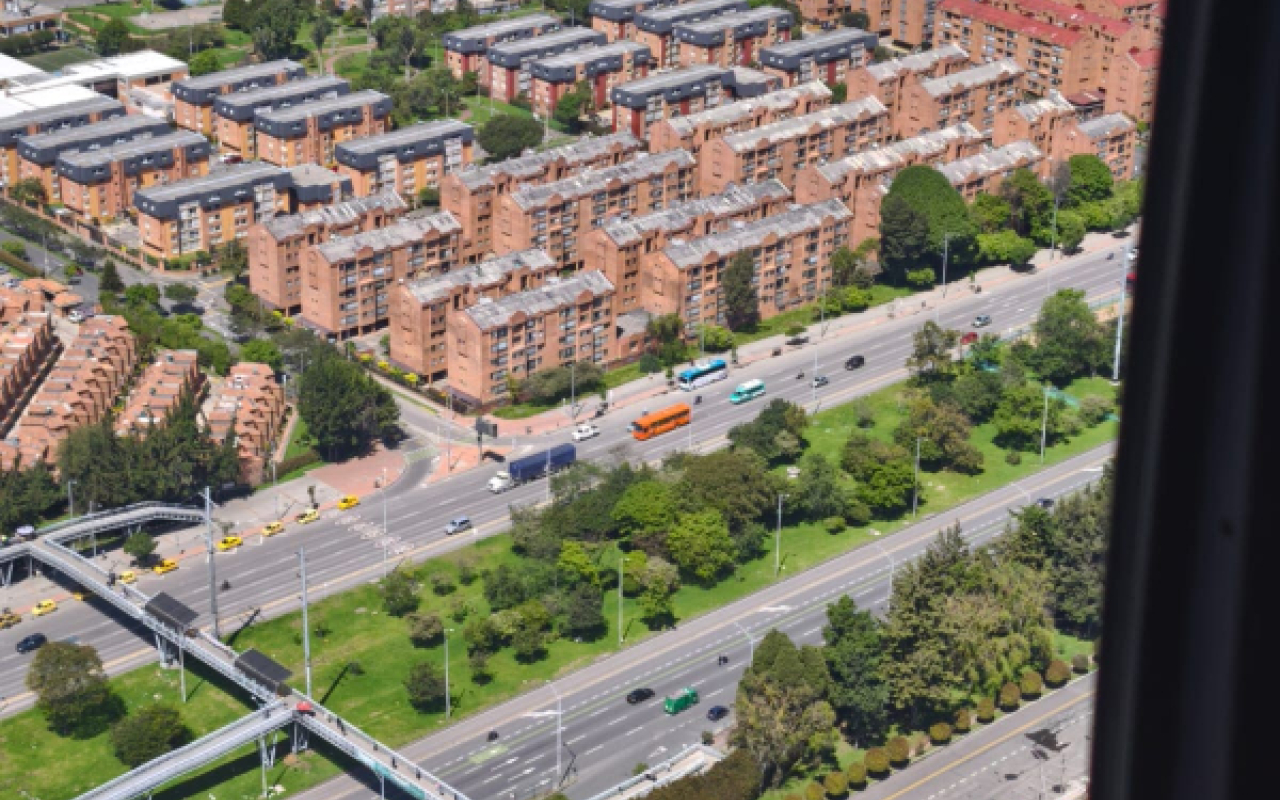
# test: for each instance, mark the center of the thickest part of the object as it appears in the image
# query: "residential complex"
(1051, 124)
(655, 27)
(472, 195)
(406, 160)
(307, 134)
(174, 376)
(984, 172)
(616, 18)
(601, 68)
(908, 22)
(888, 80)
(347, 281)
(974, 95)
(423, 310)
(278, 245)
(733, 39)
(509, 63)
(560, 322)
(792, 254)
(694, 131)
(829, 57)
(249, 407)
(99, 184)
(27, 347)
(28, 121)
(554, 216)
(38, 154)
(1113, 139)
(1131, 88)
(639, 104)
(781, 149)
(465, 49)
(193, 97)
(625, 251)
(234, 114)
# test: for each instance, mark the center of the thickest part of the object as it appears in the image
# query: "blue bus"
(703, 374)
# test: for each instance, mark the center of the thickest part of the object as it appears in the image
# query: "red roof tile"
(1146, 59)
(1069, 15)
(1015, 22)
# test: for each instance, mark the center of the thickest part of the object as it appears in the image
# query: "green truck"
(686, 698)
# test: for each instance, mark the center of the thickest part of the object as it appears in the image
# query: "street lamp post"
(777, 544)
(621, 560)
(448, 702)
(306, 628)
(1044, 423)
(71, 498)
(915, 484)
(946, 252)
(275, 487)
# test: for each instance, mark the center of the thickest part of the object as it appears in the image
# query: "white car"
(584, 432)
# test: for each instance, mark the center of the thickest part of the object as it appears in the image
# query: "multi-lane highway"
(262, 573)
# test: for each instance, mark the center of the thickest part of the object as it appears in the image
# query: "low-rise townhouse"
(465, 49)
(248, 408)
(692, 132)
(193, 98)
(99, 184)
(509, 63)
(830, 57)
(407, 160)
(173, 377)
(27, 345)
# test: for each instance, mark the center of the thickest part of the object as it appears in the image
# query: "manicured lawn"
(298, 441)
(482, 110)
(351, 66)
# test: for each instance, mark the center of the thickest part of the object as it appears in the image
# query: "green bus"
(687, 697)
(747, 391)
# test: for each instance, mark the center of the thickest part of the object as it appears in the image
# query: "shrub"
(836, 784)
(1057, 674)
(148, 733)
(425, 630)
(1094, 410)
(442, 583)
(1013, 457)
(708, 738)
(834, 524)
(1031, 684)
(963, 721)
(940, 733)
(399, 594)
(876, 761)
(856, 513)
(986, 710)
(856, 774)
(479, 663)
(814, 791)
(1080, 663)
(1010, 697)
(899, 751)
(467, 573)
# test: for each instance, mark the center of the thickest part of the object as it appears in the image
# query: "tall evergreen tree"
(741, 303)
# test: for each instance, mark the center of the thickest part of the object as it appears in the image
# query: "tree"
(700, 545)
(1005, 247)
(583, 612)
(855, 19)
(111, 282)
(425, 685)
(886, 487)
(263, 351)
(990, 213)
(647, 507)
(741, 303)
(571, 107)
(835, 784)
(345, 410)
(943, 432)
(763, 433)
(575, 566)
(1030, 204)
(26, 494)
(1070, 342)
(233, 259)
(140, 546)
(399, 593)
(113, 37)
(950, 231)
(321, 28)
(236, 15)
(659, 581)
(203, 63)
(818, 492)
(1090, 180)
(1071, 230)
(931, 348)
(181, 293)
(149, 733)
(853, 653)
(904, 236)
(425, 630)
(29, 191)
(508, 135)
(1021, 414)
(429, 197)
(977, 394)
(275, 25)
(72, 691)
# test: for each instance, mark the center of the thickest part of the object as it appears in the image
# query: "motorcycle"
(697, 401)
(1111, 256)
(800, 377)
(493, 736)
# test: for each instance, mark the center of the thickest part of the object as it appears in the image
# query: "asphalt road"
(343, 549)
(605, 738)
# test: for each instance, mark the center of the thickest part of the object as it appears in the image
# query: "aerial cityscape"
(572, 399)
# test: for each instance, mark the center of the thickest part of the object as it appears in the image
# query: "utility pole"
(71, 498)
(448, 702)
(213, 576)
(621, 559)
(275, 487)
(306, 628)
(915, 485)
(946, 252)
(777, 543)
(1044, 424)
(1124, 284)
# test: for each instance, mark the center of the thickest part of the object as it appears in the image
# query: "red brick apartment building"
(616, 18)
(173, 376)
(424, 310)
(1111, 138)
(561, 322)
(860, 180)
(277, 246)
(601, 68)
(792, 254)
(38, 154)
(908, 22)
(555, 216)
(465, 49)
(509, 63)
(984, 172)
(655, 27)
(830, 57)
(1132, 86)
(679, 93)
(407, 160)
(694, 131)
(308, 134)
(193, 97)
(888, 79)
(626, 250)
(234, 114)
(780, 150)
(472, 194)
(80, 389)
(248, 407)
(36, 121)
(734, 39)
(347, 282)
(975, 95)
(99, 184)
(1052, 126)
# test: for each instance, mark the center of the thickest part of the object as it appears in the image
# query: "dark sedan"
(639, 696)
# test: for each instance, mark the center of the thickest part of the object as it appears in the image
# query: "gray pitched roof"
(1107, 125)
(798, 126)
(733, 200)
(993, 162)
(594, 180)
(917, 62)
(891, 155)
(486, 273)
(744, 109)
(553, 295)
(586, 149)
(283, 227)
(398, 234)
(977, 76)
(744, 236)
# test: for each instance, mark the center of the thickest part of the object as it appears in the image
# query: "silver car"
(457, 525)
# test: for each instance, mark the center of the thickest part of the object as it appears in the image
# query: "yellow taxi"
(128, 576)
(229, 543)
(165, 565)
(310, 515)
(273, 528)
(80, 594)
(350, 501)
(44, 607)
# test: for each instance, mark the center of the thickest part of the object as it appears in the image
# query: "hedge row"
(20, 265)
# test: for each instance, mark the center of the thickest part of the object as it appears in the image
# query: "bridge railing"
(111, 512)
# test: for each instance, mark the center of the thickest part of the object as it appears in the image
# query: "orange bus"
(668, 419)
